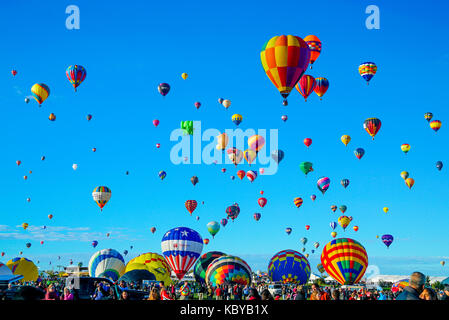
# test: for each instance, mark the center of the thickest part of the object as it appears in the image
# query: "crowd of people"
(103, 290)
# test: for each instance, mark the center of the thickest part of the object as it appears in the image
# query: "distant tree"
(438, 285)
(427, 281)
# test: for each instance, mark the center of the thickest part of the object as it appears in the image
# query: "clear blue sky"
(129, 49)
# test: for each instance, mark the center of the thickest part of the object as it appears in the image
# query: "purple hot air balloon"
(387, 239)
(197, 105)
(163, 88)
(323, 184)
(313, 197)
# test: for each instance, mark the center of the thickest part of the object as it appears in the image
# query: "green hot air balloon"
(187, 127)
(306, 167)
(213, 227)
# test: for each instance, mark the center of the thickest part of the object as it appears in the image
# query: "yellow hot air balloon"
(345, 139)
(404, 175)
(333, 234)
(405, 148)
(386, 209)
(152, 262)
(184, 75)
(226, 103)
(442, 263)
(409, 182)
(222, 141)
(250, 155)
(40, 92)
(23, 267)
(24, 225)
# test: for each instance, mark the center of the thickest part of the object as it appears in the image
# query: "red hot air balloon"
(306, 85)
(262, 202)
(251, 175)
(155, 122)
(307, 142)
(241, 174)
(197, 105)
(14, 72)
(191, 205)
(18, 162)
(307, 227)
(153, 230)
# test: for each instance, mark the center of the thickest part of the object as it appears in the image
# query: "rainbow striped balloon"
(101, 196)
(228, 269)
(289, 266)
(345, 260)
(107, 263)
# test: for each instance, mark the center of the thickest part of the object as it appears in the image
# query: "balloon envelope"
(289, 266)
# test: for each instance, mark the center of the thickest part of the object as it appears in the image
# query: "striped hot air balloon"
(229, 270)
(191, 205)
(298, 202)
(107, 263)
(323, 184)
(76, 75)
(367, 70)
(101, 196)
(40, 92)
(289, 266)
(435, 125)
(306, 85)
(315, 48)
(251, 175)
(322, 84)
(372, 126)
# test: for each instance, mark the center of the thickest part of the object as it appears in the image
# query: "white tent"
(386, 278)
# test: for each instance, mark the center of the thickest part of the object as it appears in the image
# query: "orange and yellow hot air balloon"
(435, 125)
(40, 92)
(409, 182)
(315, 48)
(285, 59)
(405, 148)
(345, 139)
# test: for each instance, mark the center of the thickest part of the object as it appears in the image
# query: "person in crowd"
(218, 293)
(124, 295)
(164, 293)
(445, 293)
(51, 293)
(253, 294)
(68, 295)
(266, 295)
(415, 287)
(428, 294)
(335, 294)
(185, 291)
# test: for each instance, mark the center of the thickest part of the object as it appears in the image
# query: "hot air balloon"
(386, 209)
(223, 170)
(14, 72)
(213, 227)
(27, 100)
(89, 117)
(28, 199)
(197, 105)
(289, 266)
(28, 244)
(226, 103)
(277, 156)
(241, 174)
(199, 270)
(101, 196)
(262, 202)
(435, 125)
(155, 122)
(206, 241)
(76, 75)
(313, 197)
(367, 70)
(237, 119)
(284, 118)
(163, 89)
(191, 205)
(94, 149)
(94, 243)
(307, 227)
(306, 167)
(344, 183)
(320, 268)
(153, 230)
(345, 139)
(344, 221)
(343, 208)
(404, 175)
(108, 234)
(249, 155)
(233, 212)
(372, 126)
(359, 152)
(304, 241)
(439, 165)
(387, 239)
(187, 127)
(181, 247)
(298, 202)
(194, 180)
(230, 270)
(25, 177)
(315, 48)
(251, 175)
(307, 142)
(50, 216)
(52, 117)
(18, 162)
(222, 141)
(323, 184)
(235, 155)
(285, 59)
(74, 166)
(316, 245)
(40, 92)
(409, 182)
(322, 84)
(405, 148)
(184, 75)
(333, 208)
(288, 230)
(152, 264)
(125, 252)
(24, 225)
(107, 263)
(257, 216)
(428, 116)
(306, 85)
(333, 225)
(162, 175)
(443, 263)
(356, 228)
(349, 265)
(224, 222)
(256, 142)
(23, 267)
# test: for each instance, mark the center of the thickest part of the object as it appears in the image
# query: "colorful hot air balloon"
(345, 260)
(89, 117)
(199, 270)
(18, 162)
(344, 183)
(277, 156)
(334, 208)
(320, 268)
(107, 263)
(233, 212)
(184, 75)
(251, 175)
(435, 125)
(303, 241)
(237, 119)
(439, 165)
(153, 230)
(343, 208)
(284, 118)
(313, 197)
(344, 221)
(288, 230)
(322, 84)
(23, 267)
(191, 205)
(213, 227)
(249, 155)
(230, 270)
(356, 228)
(197, 105)
(163, 88)
(428, 116)
(289, 266)
(333, 225)
(409, 182)
(367, 70)
(40, 92)
(404, 175)
(333, 234)
(359, 152)
(94, 243)
(400, 284)
(226, 103)
(323, 184)
(262, 202)
(50, 216)
(285, 59)
(306, 167)
(256, 142)
(306, 85)
(345, 139)
(206, 241)
(298, 202)
(194, 180)
(181, 247)
(405, 148)
(101, 196)
(385, 209)
(315, 48)
(387, 239)
(257, 216)
(222, 141)
(162, 175)
(372, 126)
(150, 263)
(52, 117)
(224, 222)
(241, 174)
(13, 72)
(76, 75)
